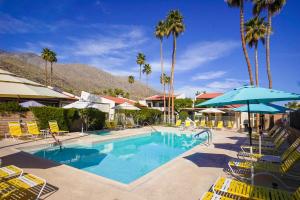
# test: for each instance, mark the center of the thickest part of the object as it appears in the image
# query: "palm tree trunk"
(51, 73)
(256, 66)
(268, 49)
(244, 42)
(140, 72)
(172, 75)
(169, 104)
(162, 73)
(46, 74)
(257, 83)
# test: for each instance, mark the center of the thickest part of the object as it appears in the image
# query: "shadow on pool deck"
(209, 159)
(228, 146)
(25, 160)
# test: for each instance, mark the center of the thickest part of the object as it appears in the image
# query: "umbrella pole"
(250, 135)
(249, 124)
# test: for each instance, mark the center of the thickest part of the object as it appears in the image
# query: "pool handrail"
(209, 135)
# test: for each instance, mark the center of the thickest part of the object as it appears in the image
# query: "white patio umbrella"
(126, 106)
(78, 105)
(31, 103)
(211, 110)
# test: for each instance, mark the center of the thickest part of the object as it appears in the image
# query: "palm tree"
(167, 81)
(240, 4)
(255, 30)
(45, 56)
(160, 33)
(175, 27)
(52, 59)
(140, 60)
(147, 70)
(272, 7)
(131, 80)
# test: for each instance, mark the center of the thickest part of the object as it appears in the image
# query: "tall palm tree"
(45, 56)
(162, 81)
(131, 80)
(175, 27)
(140, 60)
(52, 59)
(272, 7)
(255, 30)
(240, 4)
(160, 33)
(167, 81)
(147, 70)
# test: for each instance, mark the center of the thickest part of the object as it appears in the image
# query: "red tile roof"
(158, 97)
(119, 100)
(208, 95)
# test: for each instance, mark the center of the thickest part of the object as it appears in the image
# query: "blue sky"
(109, 33)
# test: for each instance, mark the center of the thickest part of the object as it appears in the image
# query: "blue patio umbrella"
(262, 108)
(250, 95)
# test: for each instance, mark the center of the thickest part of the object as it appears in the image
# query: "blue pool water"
(123, 160)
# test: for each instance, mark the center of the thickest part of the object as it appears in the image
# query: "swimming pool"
(123, 160)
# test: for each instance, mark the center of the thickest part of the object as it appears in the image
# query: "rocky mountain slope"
(71, 77)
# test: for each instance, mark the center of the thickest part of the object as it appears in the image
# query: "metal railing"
(154, 129)
(209, 135)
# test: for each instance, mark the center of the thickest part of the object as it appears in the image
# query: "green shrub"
(94, 119)
(11, 106)
(145, 115)
(64, 117)
(183, 115)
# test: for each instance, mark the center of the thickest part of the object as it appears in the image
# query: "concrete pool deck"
(186, 177)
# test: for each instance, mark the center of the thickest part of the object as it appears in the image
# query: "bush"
(183, 115)
(145, 115)
(182, 103)
(94, 119)
(11, 106)
(294, 119)
(64, 117)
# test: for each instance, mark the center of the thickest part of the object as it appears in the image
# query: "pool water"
(123, 160)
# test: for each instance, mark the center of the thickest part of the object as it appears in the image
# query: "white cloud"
(209, 75)
(114, 43)
(216, 86)
(9, 24)
(199, 54)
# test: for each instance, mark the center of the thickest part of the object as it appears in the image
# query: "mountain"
(70, 77)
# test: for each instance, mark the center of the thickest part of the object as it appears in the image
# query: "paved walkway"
(186, 177)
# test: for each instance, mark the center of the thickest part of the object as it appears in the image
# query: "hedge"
(145, 115)
(11, 106)
(64, 117)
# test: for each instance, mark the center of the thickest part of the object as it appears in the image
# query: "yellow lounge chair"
(187, 124)
(269, 147)
(202, 124)
(178, 123)
(15, 130)
(243, 190)
(244, 167)
(220, 125)
(10, 171)
(33, 129)
(214, 196)
(230, 124)
(21, 187)
(284, 155)
(55, 129)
